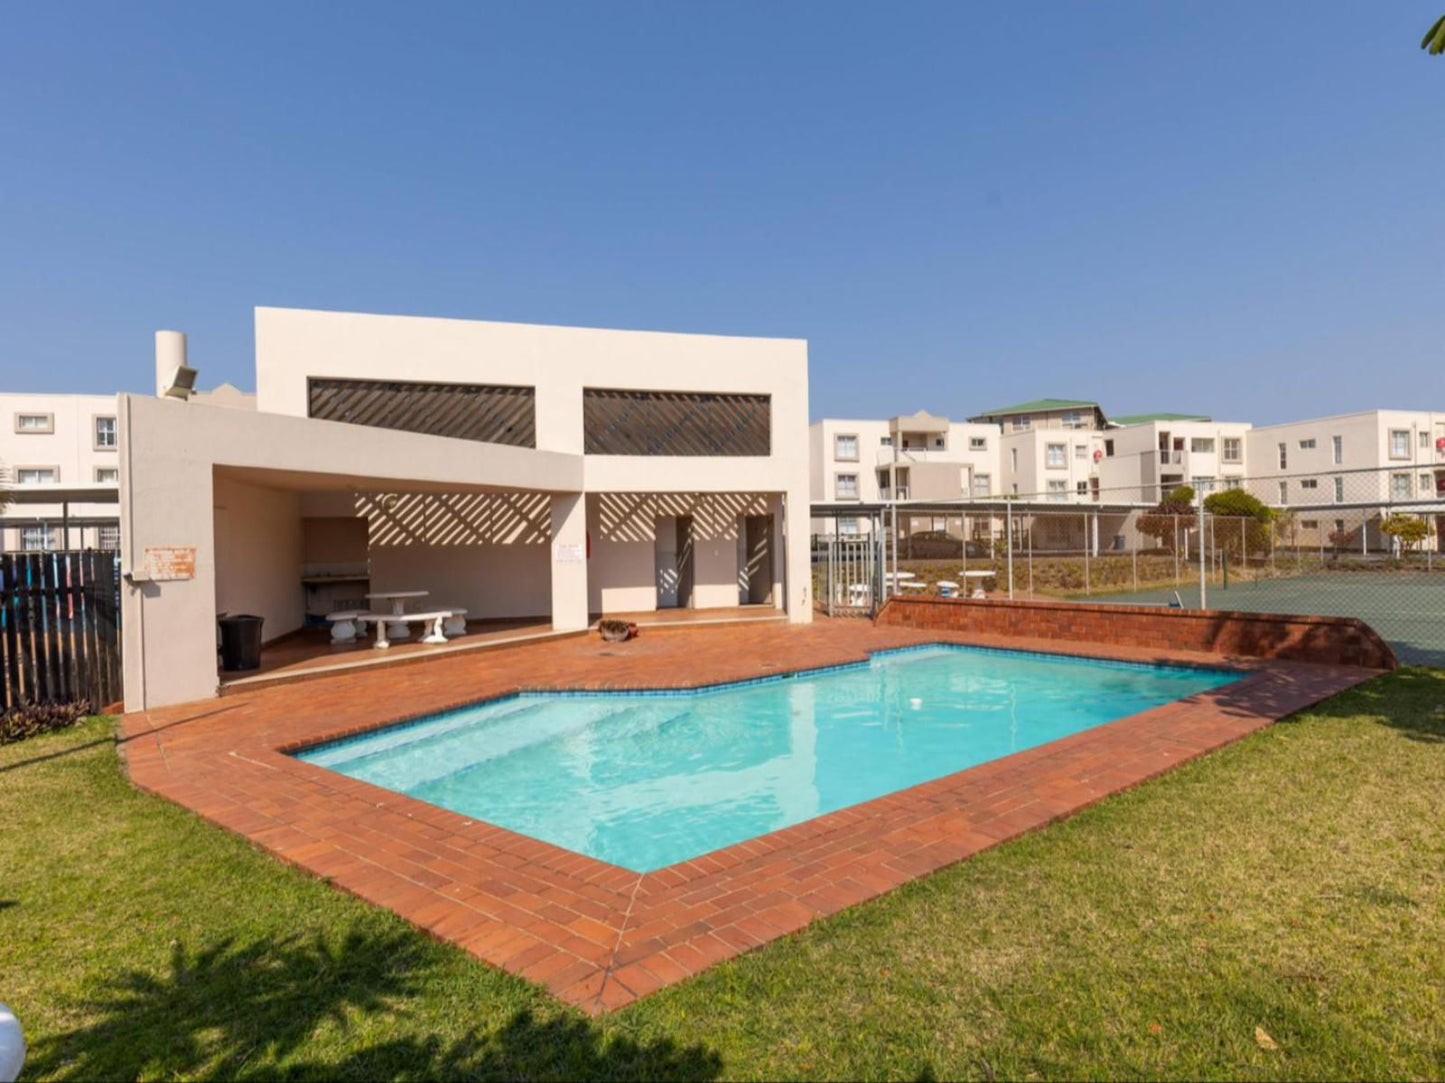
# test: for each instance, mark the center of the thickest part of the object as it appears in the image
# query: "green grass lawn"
(1292, 882)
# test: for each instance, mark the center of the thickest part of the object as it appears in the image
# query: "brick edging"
(1334, 640)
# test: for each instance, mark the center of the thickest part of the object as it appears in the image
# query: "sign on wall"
(568, 554)
(168, 562)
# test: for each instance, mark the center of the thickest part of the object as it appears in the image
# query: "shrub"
(1161, 524)
(1408, 530)
(33, 719)
(1236, 504)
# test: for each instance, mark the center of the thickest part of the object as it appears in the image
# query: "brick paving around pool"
(599, 936)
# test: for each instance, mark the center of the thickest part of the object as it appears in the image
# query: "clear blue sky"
(1235, 208)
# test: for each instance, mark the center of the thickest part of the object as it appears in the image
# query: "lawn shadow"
(1416, 703)
(233, 1010)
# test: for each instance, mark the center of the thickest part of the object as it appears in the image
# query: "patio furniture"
(456, 624)
(385, 622)
(396, 629)
(977, 578)
(346, 624)
(912, 584)
(947, 588)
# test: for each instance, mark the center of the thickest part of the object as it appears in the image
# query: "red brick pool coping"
(599, 936)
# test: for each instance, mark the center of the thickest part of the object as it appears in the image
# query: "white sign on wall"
(567, 554)
(170, 562)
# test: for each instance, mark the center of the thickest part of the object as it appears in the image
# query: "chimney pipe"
(170, 357)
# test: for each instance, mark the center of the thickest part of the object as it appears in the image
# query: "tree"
(1240, 507)
(1163, 522)
(1408, 530)
(1434, 39)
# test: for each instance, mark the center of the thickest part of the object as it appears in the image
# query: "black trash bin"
(240, 642)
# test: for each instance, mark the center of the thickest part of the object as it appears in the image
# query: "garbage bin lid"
(239, 617)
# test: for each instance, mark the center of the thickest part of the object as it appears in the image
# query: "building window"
(845, 449)
(1427, 485)
(1020, 424)
(1082, 488)
(1339, 490)
(978, 443)
(845, 486)
(1284, 491)
(1309, 483)
(1202, 445)
(1014, 488)
(1399, 443)
(1307, 444)
(1058, 490)
(1424, 440)
(885, 441)
(1055, 455)
(848, 525)
(1309, 524)
(1284, 456)
(37, 538)
(1108, 449)
(36, 475)
(1400, 487)
(1013, 459)
(670, 423)
(38, 424)
(981, 484)
(1338, 445)
(105, 434)
(1072, 420)
(109, 537)
(1202, 484)
(1233, 451)
(1080, 451)
(107, 475)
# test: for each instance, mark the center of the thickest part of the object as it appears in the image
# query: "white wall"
(258, 554)
(294, 344)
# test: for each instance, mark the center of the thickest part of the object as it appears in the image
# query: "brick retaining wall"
(1330, 640)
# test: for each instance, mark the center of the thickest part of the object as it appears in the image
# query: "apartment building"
(1045, 414)
(918, 456)
(1145, 457)
(1374, 456)
(61, 463)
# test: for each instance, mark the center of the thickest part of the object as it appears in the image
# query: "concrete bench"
(456, 624)
(346, 624)
(386, 623)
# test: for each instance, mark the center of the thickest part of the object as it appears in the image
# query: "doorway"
(673, 555)
(757, 570)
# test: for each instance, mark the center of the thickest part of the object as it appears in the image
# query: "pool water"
(647, 779)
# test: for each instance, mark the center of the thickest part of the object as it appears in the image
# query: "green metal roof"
(1144, 419)
(1037, 405)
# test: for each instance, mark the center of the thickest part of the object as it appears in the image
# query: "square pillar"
(569, 562)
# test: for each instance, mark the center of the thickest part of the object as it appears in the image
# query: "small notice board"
(168, 562)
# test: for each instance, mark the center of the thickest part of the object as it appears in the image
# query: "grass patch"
(1291, 882)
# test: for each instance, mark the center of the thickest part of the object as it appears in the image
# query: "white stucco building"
(514, 470)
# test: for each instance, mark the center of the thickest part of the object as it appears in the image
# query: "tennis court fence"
(1361, 543)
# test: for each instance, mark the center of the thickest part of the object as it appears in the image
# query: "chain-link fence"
(1363, 543)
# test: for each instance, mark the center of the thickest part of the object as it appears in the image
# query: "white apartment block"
(1146, 461)
(1374, 456)
(61, 464)
(909, 457)
(60, 460)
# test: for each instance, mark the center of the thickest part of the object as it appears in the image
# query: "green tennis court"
(1407, 608)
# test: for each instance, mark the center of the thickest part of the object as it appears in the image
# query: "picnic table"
(977, 578)
(396, 629)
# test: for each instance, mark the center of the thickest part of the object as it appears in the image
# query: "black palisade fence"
(59, 629)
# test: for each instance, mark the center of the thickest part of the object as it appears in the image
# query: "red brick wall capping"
(1329, 640)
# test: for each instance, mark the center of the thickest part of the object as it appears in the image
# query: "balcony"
(919, 455)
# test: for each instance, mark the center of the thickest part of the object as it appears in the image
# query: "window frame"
(96, 445)
(1225, 456)
(1390, 445)
(96, 471)
(978, 443)
(48, 430)
(1337, 450)
(838, 457)
(54, 470)
(1063, 463)
(1409, 486)
(1201, 445)
(837, 488)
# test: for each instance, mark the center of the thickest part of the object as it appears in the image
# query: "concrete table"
(397, 629)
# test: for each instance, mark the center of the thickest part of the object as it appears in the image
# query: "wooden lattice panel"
(489, 413)
(675, 423)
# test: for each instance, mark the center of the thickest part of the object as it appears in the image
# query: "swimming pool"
(647, 779)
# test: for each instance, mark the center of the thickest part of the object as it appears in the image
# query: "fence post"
(1134, 551)
(1203, 567)
(1086, 554)
(1009, 535)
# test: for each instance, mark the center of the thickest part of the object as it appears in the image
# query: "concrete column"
(569, 562)
(799, 573)
(778, 544)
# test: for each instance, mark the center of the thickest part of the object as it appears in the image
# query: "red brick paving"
(599, 936)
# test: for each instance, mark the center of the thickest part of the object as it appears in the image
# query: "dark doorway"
(758, 560)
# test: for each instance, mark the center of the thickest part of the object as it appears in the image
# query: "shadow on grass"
(250, 1011)
(1409, 699)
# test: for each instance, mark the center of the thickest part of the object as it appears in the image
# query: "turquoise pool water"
(644, 780)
